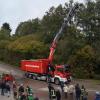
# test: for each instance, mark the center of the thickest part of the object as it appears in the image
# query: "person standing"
(29, 90)
(30, 94)
(84, 93)
(14, 85)
(62, 86)
(15, 94)
(21, 90)
(52, 94)
(23, 96)
(8, 88)
(71, 91)
(66, 90)
(15, 90)
(97, 96)
(30, 97)
(36, 98)
(3, 86)
(58, 95)
(50, 88)
(77, 92)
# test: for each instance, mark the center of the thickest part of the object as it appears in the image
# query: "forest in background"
(79, 46)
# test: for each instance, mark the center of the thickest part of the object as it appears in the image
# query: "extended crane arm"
(58, 35)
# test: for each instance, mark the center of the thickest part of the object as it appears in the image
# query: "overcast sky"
(16, 11)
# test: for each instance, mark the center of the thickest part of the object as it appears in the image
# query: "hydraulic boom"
(58, 35)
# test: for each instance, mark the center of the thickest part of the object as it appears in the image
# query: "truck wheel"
(29, 76)
(25, 75)
(57, 81)
(34, 77)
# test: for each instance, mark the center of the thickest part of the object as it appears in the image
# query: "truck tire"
(34, 77)
(57, 81)
(29, 76)
(25, 75)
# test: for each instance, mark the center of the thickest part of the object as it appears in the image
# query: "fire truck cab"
(62, 73)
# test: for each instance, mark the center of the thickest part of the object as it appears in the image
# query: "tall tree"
(28, 27)
(5, 31)
(6, 26)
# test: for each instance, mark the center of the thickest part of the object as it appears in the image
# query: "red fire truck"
(42, 68)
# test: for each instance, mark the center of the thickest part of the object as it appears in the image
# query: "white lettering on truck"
(32, 66)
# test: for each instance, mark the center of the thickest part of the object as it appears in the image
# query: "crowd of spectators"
(8, 86)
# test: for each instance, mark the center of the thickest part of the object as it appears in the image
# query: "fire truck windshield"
(64, 68)
(60, 70)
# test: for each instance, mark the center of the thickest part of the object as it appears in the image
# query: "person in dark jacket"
(77, 92)
(36, 98)
(14, 89)
(21, 90)
(8, 89)
(62, 86)
(97, 96)
(51, 90)
(58, 95)
(49, 87)
(3, 85)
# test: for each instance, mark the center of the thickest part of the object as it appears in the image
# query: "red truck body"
(37, 66)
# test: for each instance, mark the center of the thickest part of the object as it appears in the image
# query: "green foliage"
(28, 27)
(3, 44)
(4, 34)
(52, 21)
(83, 62)
(5, 31)
(27, 44)
(6, 26)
